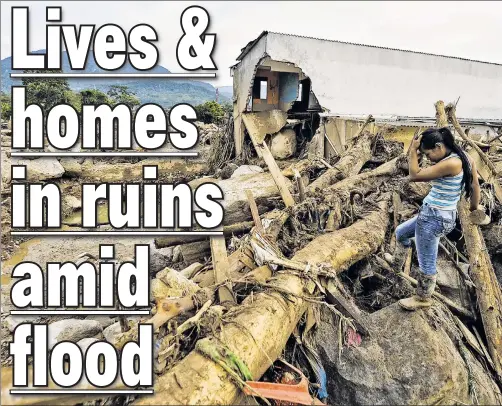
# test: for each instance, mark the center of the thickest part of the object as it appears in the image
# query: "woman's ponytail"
(449, 142)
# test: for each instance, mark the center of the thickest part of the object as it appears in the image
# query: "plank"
(220, 267)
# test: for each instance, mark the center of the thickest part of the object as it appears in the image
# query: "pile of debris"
(297, 303)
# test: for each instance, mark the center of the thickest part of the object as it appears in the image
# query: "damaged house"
(317, 82)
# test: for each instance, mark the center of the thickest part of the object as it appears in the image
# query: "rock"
(72, 202)
(177, 254)
(158, 289)
(41, 168)
(389, 258)
(69, 205)
(191, 269)
(71, 167)
(409, 359)
(167, 252)
(246, 170)
(72, 330)
(85, 343)
(11, 322)
(228, 170)
(283, 144)
(104, 321)
(112, 333)
(157, 260)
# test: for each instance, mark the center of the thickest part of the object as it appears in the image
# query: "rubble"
(303, 273)
(283, 144)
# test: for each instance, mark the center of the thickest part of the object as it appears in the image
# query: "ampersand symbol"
(195, 46)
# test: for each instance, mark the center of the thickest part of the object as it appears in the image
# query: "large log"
(258, 333)
(349, 164)
(487, 288)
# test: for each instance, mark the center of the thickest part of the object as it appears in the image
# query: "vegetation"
(49, 92)
(120, 94)
(94, 97)
(5, 106)
(212, 112)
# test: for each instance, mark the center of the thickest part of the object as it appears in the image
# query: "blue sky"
(465, 29)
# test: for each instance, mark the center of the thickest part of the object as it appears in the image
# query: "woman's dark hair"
(433, 136)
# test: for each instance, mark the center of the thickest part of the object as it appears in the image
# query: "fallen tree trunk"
(487, 288)
(350, 242)
(258, 333)
(451, 112)
(349, 164)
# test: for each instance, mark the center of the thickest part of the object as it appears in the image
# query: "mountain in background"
(226, 91)
(165, 92)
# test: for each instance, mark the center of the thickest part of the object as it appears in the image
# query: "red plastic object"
(294, 393)
(353, 338)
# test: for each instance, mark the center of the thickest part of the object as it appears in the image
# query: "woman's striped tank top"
(445, 192)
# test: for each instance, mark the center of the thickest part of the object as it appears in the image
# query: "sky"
(464, 29)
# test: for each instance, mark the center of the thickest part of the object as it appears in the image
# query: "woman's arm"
(476, 190)
(439, 170)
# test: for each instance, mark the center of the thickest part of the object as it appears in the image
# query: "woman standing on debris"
(452, 173)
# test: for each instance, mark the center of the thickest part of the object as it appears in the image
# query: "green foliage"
(210, 112)
(5, 106)
(94, 97)
(227, 108)
(121, 94)
(46, 92)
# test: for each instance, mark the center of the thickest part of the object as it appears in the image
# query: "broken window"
(260, 88)
(300, 89)
(263, 90)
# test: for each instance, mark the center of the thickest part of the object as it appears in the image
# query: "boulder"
(85, 343)
(246, 170)
(112, 333)
(72, 167)
(105, 321)
(157, 260)
(283, 144)
(41, 168)
(411, 358)
(72, 330)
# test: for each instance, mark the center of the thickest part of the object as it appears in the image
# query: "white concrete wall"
(362, 80)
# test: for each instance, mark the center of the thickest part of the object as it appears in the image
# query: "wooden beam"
(335, 297)
(220, 267)
(260, 145)
(254, 212)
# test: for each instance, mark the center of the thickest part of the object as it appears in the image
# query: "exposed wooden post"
(254, 212)
(220, 266)
(301, 186)
(441, 119)
(262, 147)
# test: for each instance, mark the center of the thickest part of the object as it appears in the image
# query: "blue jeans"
(427, 228)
